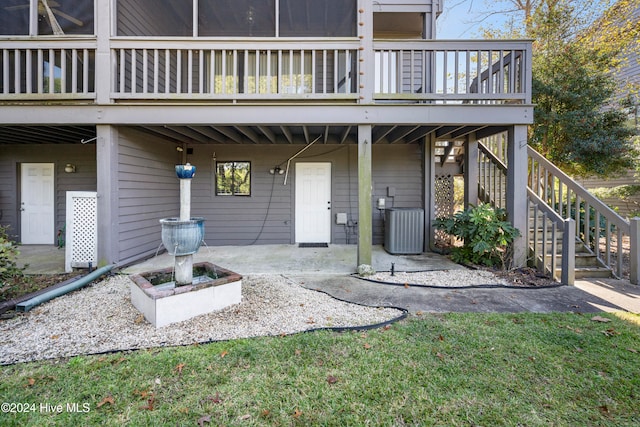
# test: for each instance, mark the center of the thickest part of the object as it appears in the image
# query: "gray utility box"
(404, 230)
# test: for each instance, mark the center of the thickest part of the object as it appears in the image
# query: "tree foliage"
(577, 43)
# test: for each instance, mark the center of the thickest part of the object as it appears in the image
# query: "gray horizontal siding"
(399, 168)
(148, 189)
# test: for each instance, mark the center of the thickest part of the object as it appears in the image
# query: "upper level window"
(236, 18)
(313, 18)
(54, 17)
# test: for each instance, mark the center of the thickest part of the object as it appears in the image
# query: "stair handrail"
(541, 171)
(541, 250)
(579, 190)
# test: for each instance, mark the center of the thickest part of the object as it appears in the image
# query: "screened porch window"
(55, 17)
(233, 178)
(239, 18)
(313, 18)
(236, 18)
(155, 18)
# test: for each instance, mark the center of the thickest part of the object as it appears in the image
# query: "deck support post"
(365, 219)
(108, 196)
(517, 190)
(428, 153)
(471, 171)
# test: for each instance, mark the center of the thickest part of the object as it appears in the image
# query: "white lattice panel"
(82, 229)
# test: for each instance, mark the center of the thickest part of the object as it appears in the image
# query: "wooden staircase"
(587, 264)
(552, 195)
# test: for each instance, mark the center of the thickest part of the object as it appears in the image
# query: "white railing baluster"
(167, 71)
(268, 73)
(190, 71)
(16, 70)
(313, 71)
(134, 71)
(201, 71)
(179, 71)
(280, 71)
(52, 64)
(324, 71)
(257, 81)
(40, 67)
(145, 71)
(156, 71)
(63, 71)
(245, 73)
(212, 78)
(29, 71)
(5, 71)
(74, 71)
(234, 77)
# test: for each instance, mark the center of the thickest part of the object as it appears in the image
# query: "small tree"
(485, 232)
(576, 126)
(577, 44)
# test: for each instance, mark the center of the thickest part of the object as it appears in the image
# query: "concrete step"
(593, 272)
(585, 259)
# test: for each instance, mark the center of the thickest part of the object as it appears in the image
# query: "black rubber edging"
(338, 329)
(419, 285)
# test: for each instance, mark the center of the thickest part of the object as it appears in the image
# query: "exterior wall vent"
(404, 230)
(81, 246)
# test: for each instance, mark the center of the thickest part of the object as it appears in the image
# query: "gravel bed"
(452, 278)
(100, 318)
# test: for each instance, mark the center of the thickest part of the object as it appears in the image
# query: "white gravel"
(452, 278)
(100, 318)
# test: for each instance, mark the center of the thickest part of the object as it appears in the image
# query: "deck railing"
(234, 70)
(425, 71)
(59, 69)
(496, 71)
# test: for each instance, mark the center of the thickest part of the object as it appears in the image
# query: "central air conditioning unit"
(404, 231)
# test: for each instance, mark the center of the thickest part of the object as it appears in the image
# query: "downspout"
(11, 304)
(286, 175)
(29, 304)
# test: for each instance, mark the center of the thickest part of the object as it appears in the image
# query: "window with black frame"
(233, 178)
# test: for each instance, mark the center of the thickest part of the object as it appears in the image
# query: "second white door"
(313, 203)
(37, 203)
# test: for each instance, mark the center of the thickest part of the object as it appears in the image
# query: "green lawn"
(449, 370)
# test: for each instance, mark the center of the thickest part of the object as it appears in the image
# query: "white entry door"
(313, 202)
(37, 204)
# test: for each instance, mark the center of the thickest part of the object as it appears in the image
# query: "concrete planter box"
(164, 304)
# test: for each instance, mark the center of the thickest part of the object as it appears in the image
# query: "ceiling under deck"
(213, 134)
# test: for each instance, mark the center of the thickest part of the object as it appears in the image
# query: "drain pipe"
(83, 281)
(286, 174)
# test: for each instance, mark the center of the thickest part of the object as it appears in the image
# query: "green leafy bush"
(485, 232)
(8, 256)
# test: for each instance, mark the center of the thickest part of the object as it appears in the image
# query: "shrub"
(485, 232)
(8, 256)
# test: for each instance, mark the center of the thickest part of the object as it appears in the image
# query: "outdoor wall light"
(69, 168)
(276, 170)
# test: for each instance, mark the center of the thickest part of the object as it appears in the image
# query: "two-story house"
(300, 115)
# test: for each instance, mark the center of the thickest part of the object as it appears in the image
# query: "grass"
(449, 370)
